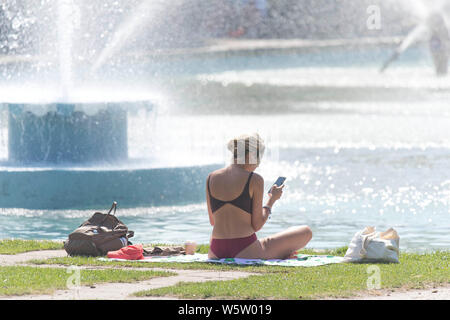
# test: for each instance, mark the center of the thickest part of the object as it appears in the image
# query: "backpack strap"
(114, 206)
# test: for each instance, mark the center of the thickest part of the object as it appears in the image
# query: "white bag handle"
(365, 243)
(363, 251)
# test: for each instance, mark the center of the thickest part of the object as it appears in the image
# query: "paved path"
(14, 259)
(114, 291)
(441, 293)
(120, 291)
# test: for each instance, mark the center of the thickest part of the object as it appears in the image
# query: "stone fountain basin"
(68, 132)
(67, 135)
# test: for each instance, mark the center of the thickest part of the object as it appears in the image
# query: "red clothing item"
(134, 252)
(229, 248)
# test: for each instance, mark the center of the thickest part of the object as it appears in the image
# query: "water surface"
(353, 155)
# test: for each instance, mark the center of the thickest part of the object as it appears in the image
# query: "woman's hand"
(276, 192)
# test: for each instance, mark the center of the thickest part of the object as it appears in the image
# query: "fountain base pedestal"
(65, 135)
(94, 188)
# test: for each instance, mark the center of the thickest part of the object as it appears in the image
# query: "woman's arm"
(208, 204)
(260, 214)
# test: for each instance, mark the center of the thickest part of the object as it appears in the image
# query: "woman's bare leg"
(211, 255)
(278, 246)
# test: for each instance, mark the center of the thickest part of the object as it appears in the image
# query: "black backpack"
(98, 235)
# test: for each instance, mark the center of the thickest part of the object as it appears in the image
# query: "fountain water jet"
(68, 151)
(65, 133)
(433, 28)
(68, 20)
(145, 12)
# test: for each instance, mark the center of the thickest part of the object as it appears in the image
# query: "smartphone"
(278, 183)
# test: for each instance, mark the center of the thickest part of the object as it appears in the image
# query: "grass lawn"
(273, 282)
(14, 246)
(335, 280)
(16, 280)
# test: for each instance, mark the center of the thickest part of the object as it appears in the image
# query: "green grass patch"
(36, 280)
(335, 280)
(14, 246)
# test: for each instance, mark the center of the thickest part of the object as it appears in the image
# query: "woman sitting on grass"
(234, 197)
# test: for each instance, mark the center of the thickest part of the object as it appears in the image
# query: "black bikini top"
(243, 202)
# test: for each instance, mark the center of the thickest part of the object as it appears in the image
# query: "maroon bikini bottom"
(229, 248)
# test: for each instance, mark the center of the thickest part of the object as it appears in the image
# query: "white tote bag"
(369, 245)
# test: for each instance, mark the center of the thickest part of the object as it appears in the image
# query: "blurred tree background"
(25, 25)
(306, 19)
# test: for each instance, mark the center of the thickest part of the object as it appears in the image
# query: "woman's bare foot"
(293, 255)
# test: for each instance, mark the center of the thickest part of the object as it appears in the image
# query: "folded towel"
(301, 260)
(164, 251)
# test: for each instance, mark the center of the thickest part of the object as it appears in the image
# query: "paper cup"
(190, 247)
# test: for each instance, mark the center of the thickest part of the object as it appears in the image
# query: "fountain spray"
(68, 20)
(147, 11)
(432, 28)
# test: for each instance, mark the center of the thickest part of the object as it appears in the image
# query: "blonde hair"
(247, 149)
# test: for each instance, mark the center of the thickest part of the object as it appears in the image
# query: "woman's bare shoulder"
(258, 179)
(217, 172)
